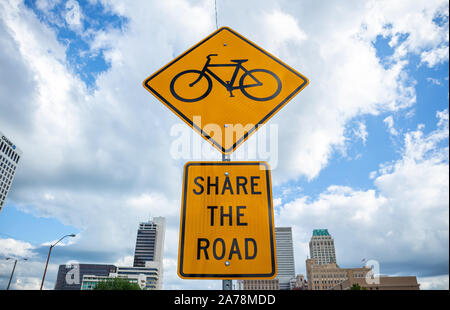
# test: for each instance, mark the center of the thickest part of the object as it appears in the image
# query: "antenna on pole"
(215, 9)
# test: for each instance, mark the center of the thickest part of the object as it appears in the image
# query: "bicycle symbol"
(247, 80)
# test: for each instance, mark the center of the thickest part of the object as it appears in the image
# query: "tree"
(116, 284)
(356, 287)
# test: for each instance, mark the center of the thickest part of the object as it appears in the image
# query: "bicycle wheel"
(184, 89)
(257, 92)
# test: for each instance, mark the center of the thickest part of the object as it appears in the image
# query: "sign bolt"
(227, 174)
(227, 263)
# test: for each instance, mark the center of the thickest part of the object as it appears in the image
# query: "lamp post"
(14, 268)
(48, 257)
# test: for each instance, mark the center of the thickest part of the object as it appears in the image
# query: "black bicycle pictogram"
(247, 80)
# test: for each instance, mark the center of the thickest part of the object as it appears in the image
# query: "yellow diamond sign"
(225, 87)
(227, 226)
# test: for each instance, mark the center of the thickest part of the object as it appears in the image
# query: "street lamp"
(14, 268)
(48, 257)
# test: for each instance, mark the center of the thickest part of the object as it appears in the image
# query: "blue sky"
(85, 64)
(348, 169)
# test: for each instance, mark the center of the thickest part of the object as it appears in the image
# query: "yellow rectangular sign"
(226, 224)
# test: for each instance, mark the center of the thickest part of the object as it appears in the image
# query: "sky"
(362, 151)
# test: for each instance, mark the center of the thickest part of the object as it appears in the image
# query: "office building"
(327, 276)
(145, 277)
(9, 159)
(150, 246)
(150, 242)
(382, 283)
(321, 247)
(70, 276)
(272, 284)
(285, 256)
(86, 276)
(148, 276)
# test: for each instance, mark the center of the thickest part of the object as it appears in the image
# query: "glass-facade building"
(9, 159)
(145, 244)
(149, 242)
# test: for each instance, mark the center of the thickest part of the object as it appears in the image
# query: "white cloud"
(277, 202)
(389, 121)
(433, 81)
(282, 28)
(27, 283)
(46, 5)
(125, 261)
(424, 147)
(15, 248)
(27, 275)
(434, 283)
(416, 22)
(435, 56)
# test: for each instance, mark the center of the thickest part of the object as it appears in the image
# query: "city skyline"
(362, 151)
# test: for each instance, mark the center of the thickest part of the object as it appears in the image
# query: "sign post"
(227, 285)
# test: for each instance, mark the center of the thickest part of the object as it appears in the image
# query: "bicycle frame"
(229, 85)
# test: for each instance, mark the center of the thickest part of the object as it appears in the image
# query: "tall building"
(150, 246)
(70, 277)
(9, 158)
(285, 256)
(150, 242)
(321, 247)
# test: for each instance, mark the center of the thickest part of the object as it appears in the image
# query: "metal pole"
(48, 257)
(226, 157)
(226, 284)
(45, 270)
(12, 274)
